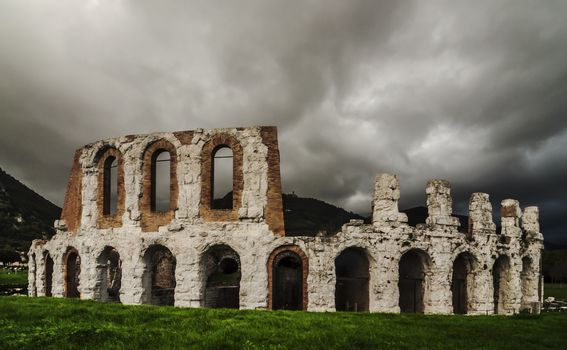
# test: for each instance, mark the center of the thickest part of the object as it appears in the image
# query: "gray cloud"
(468, 91)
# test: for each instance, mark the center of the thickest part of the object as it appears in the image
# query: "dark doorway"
(48, 275)
(500, 278)
(462, 268)
(287, 272)
(412, 281)
(221, 266)
(72, 273)
(109, 275)
(351, 289)
(159, 277)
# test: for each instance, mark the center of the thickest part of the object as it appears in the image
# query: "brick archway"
(274, 257)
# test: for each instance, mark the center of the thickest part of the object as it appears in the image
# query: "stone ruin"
(114, 244)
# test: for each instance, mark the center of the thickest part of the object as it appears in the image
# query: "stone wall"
(254, 230)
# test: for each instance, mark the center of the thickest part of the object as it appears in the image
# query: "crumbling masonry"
(119, 247)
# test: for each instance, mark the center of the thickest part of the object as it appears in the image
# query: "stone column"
(440, 204)
(480, 214)
(511, 214)
(385, 201)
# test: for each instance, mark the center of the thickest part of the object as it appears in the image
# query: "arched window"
(351, 290)
(501, 284)
(221, 266)
(161, 181)
(110, 193)
(412, 281)
(222, 178)
(109, 275)
(462, 283)
(72, 273)
(48, 261)
(159, 276)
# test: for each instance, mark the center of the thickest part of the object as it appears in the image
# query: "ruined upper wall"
(515, 223)
(256, 180)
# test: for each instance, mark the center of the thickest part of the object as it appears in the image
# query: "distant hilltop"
(24, 215)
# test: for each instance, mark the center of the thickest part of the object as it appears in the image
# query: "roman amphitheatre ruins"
(115, 243)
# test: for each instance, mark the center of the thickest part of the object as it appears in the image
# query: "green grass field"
(53, 323)
(556, 290)
(9, 277)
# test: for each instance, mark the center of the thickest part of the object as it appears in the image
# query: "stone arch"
(108, 275)
(159, 276)
(501, 283)
(206, 210)
(104, 159)
(413, 284)
(221, 273)
(72, 265)
(48, 273)
(352, 280)
(151, 216)
(288, 268)
(529, 284)
(462, 282)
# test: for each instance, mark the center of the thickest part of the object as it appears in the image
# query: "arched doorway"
(287, 276)
(109, 275)
(501, 284)
(412, 285)
(159, 276)
(462, 283)
(72, 273)
(351, 289)
(221, 272)
(48, 262)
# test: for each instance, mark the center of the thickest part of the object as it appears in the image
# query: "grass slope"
(49, 323)
(10, 277)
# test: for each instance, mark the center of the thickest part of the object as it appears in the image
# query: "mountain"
(308, 216)
(24, 215)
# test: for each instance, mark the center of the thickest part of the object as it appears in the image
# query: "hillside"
(308, 216)
(24, 215)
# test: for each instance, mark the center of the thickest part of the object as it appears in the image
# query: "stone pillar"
(440, 204)
(511, 214)
(530, 221)
(480, 214)
(385, 201)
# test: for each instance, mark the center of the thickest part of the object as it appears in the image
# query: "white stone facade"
(515, 251)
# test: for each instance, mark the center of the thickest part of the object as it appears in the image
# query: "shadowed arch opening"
(462, 283)
(72, 273)
(34, 267)
(413, 267)
(108, 275)
(222, 178)
(501, 284)
(159, 276)
(352, 276)
(48, 263)
(222, 273)
(287, 278)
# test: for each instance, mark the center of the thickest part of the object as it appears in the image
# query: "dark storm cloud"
(473, 92)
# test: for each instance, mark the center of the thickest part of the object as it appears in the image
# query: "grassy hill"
(24, 215)
(54, 323)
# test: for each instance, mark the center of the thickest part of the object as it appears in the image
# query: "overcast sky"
(474, 92)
